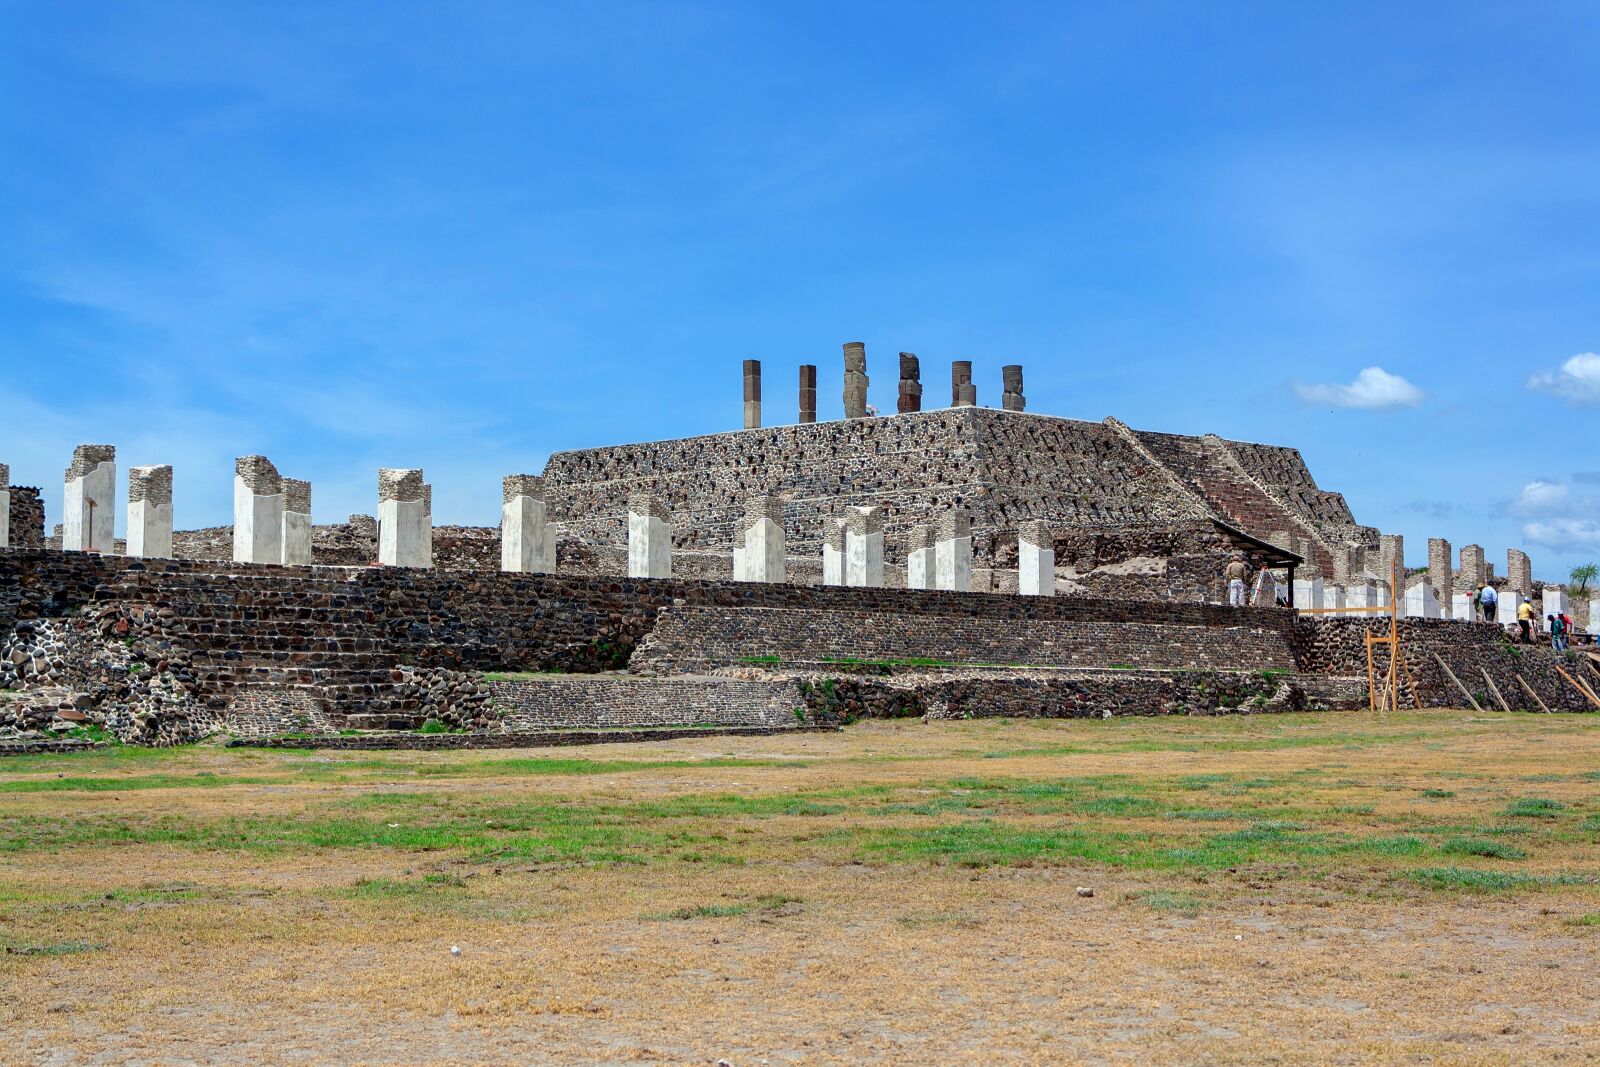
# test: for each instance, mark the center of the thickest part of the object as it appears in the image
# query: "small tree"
(1582, 575)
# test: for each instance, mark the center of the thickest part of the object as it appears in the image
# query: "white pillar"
(1309, 593)
(5, 506)
(524, 532)
(952, 553)
(863, 548)
(1421, 602)
(1365, 593)
(295, 540)
(1462, 609)
(404, 534)
(832, 551)
(919, 559)
(150, 512)
(1333, 596)
(1036, 559)
(1506, 604)
(257, 511)
(649, 537)
(760, 558)
(88, 521)
(1553, 602)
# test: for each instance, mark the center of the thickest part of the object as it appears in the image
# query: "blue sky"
(462, 236)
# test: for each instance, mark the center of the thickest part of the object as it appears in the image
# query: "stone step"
(609, 701)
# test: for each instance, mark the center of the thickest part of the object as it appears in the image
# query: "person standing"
(1525, 617)
(1237, 573)
(1489, 601)
(1558, 632)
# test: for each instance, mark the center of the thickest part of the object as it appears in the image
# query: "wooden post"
(1494, 689)
(1530, 691)
(1464, 691)
(1590, 697)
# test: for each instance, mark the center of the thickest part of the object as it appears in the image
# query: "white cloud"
(1563, 533)
(1374, 389)
(1578, 379)
(1540, 497)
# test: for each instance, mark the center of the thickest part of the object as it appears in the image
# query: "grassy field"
(1335, 888)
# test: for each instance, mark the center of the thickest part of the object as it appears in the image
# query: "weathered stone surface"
(963, 394)
(752, 394)
(808, 393)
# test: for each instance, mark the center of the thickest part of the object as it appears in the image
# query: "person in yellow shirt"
(1525, 620)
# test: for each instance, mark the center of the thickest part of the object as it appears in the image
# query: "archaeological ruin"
(952, 562)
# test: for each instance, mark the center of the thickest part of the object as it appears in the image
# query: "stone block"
(863, 548)
(1440, 576)
(525, 533)
(833, 550)
(808, 393)
(1391, 558)
(1473, 572)
(752, 394)
(150, 512)
(89, 516)
(1036, 559)
(1553, 601)
(257, 511)
(649, 537)
(761, 558)
(1461, 607)
(1309, 593)
(296, 539)
(919, 558)
(405, 518)
(953, 552)
(1519, 571)
(1421, 602)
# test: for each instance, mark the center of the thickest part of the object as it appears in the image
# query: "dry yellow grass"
(1297, 889)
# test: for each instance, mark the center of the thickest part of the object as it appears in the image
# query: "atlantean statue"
(1011, 377)
(855, 380)
(910, 383)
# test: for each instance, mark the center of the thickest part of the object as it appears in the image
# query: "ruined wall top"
(953, 524)
(833, 532)
(152, 484)
(85, 458)
(400, 483)
(917, 537)
(515, 485)
(297, 496)
(259, 475)
(5, 476)
(650, 505)
(1035, 532)
(863, 521)
(758, 508)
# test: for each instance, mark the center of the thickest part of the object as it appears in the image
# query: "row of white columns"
(852, 548)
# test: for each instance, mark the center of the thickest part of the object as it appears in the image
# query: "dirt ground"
(1335, 888)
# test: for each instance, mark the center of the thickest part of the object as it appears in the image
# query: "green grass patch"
(1477, 846)
(1438, 794)
(1185, 904)
(1475, 880)
(1534, 808)
(53, 948)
